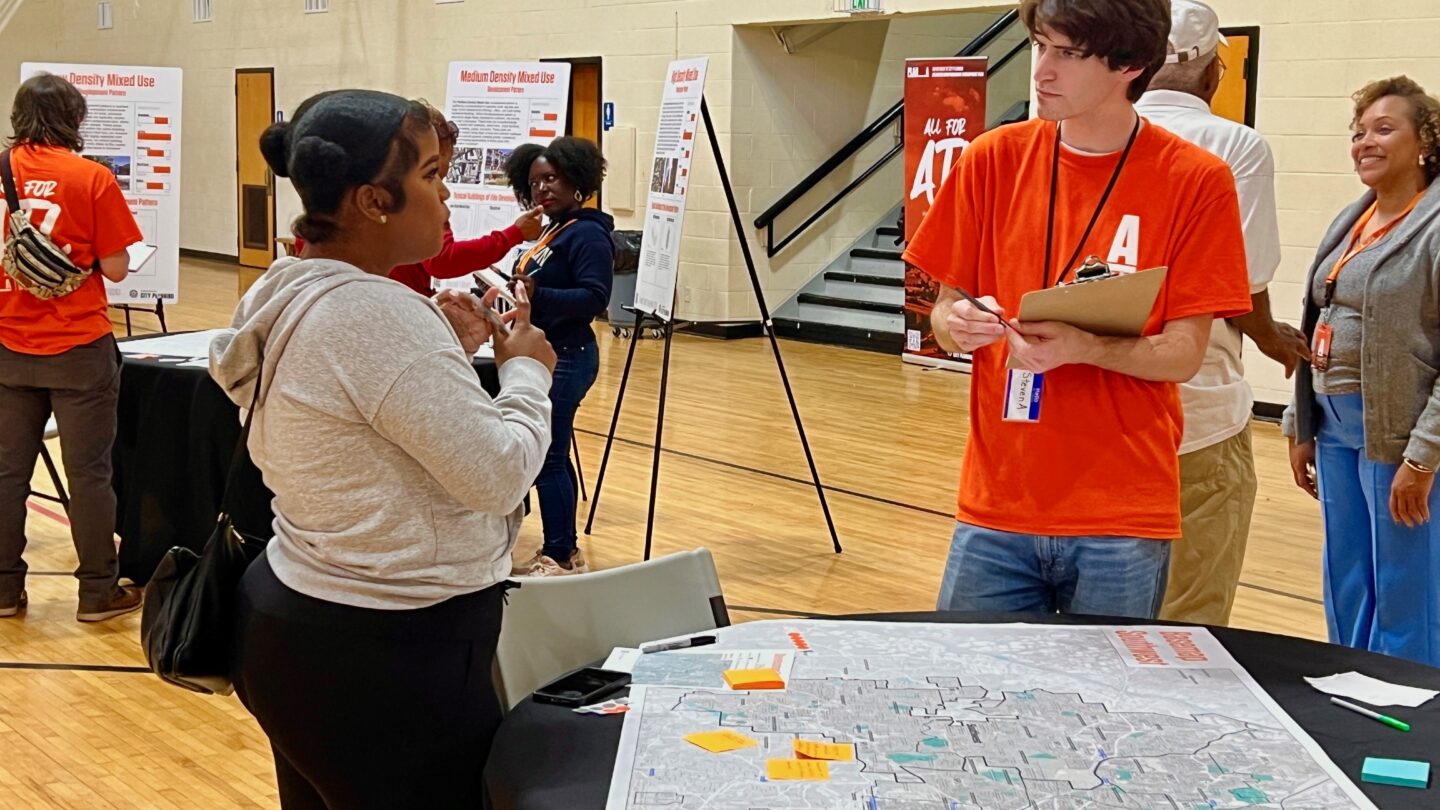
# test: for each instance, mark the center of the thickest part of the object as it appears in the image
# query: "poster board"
(133, 128)
(497, 107)
(944, 112)
(669, 180)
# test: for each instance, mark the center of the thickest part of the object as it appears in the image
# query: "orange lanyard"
(544, 240)
(1356, 246)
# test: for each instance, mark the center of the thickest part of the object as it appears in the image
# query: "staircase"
(857, 301)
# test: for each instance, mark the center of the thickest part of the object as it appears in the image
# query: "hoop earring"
(579, 198)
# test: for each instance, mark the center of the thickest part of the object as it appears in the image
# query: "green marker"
(1389, 721)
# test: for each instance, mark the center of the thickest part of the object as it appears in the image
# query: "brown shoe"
(127, 598)
(9, 609)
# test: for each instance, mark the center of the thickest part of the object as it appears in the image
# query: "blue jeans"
(991, 570)
(575, 372)
(1382, 579)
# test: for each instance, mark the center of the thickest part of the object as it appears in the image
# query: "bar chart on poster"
(132, 128)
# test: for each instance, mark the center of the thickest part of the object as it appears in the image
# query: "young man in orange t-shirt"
(1069, 501)
(57, 355)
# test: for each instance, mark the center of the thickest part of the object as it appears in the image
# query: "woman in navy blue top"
(568, 274)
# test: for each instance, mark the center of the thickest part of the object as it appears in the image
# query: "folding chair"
(553, 625)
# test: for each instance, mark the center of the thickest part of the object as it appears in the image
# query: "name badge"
(1320, 347)
(1022, 396)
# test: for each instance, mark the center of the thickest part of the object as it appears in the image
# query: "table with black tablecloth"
(548, 757)
(177, 431)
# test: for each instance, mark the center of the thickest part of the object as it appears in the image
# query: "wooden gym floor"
(83, 725)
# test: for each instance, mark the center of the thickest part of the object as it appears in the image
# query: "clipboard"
(1117, 306)
(140, 253)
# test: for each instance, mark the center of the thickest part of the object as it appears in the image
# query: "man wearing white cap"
(1217, 468)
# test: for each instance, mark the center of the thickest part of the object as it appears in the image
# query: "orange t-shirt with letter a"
(1102, 459)
(78, 204)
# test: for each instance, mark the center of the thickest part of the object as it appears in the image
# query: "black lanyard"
(1055, 182)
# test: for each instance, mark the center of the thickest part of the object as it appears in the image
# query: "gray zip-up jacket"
(1400, 347)
(397, 479)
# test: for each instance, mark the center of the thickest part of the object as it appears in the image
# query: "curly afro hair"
(576, 159)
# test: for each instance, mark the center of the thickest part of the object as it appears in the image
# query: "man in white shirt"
(1217, 469)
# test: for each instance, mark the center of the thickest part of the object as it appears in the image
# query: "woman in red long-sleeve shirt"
(459, 257)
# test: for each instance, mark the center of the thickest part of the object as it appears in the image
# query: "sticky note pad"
(754, 679)
(834, 752)
(1400, 772)
(797, 770)
(718, 742)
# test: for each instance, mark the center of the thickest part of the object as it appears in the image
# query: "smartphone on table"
(581, 687)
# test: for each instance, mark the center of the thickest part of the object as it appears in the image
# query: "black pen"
(697, 641)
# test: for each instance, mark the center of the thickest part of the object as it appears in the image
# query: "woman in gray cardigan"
(1364, 426)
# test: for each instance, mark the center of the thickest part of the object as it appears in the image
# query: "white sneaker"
(547, 567)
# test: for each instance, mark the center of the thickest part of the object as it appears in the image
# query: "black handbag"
(187, 626)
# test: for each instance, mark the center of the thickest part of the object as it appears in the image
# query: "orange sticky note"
(754, 679)
(718, 742)
(814, 749)
(797, 770)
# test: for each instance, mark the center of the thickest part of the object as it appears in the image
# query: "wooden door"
(585, 103)
(1236, 97)
(254, 111)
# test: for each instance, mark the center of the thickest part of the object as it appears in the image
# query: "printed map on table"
(952, 717)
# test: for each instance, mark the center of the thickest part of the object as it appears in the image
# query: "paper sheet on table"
(699, 668)
(187, 344)
(1371, 690)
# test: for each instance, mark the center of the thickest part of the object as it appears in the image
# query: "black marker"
(698, 641)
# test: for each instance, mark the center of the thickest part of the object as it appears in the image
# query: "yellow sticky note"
(718, 742)
(802, 770)
(754, 679)
(814, 749)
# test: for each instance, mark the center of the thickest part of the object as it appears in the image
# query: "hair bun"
(272, 147)
(315, 160)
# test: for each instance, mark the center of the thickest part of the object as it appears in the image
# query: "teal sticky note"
(1399, 772)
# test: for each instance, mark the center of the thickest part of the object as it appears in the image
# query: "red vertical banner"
(944, 112)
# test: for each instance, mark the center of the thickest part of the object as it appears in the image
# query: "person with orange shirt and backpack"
(57, 351)
(1069, 501)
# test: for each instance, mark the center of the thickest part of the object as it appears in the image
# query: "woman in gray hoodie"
(367, 630)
